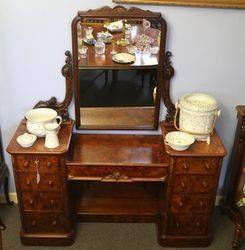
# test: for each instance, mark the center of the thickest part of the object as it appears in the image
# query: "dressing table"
(116, 177)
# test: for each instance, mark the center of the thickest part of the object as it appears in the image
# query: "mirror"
(118, 71)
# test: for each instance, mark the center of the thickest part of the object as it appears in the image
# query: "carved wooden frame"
(163, 80)
(62, 107)
(236, 4)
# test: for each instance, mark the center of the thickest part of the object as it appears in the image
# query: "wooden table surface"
(199, 148)
(105, 61)
(64, 136)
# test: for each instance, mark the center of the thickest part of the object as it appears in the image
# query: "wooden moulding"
(235, 4)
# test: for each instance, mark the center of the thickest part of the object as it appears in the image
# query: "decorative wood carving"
(61, 107)
(168, 74)
(236, 4)
(107, 11)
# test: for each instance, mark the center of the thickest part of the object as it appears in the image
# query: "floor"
(100, 236)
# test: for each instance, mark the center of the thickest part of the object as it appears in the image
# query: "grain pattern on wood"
(124, 150)
(216, 147)
(38, 147)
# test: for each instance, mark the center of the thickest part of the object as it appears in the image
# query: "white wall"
(208, 48)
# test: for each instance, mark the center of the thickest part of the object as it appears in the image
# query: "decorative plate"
(123, 58)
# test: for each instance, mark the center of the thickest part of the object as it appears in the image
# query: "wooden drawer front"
(48, 182)
(187, 224)
(117, 173)
(40, 222)
(197, 165)
(194, 183)
(42, 201)
(201, 203)
(45, 164)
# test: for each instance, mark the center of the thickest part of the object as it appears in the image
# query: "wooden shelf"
(123, 203)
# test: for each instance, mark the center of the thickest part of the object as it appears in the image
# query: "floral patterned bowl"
(179, 140)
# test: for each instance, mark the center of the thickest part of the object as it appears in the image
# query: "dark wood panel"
(44, 164)
(198, 203)
(194, 184)
(64, 134)
(199, 148)
(48, 182)
(40, 222)
(42, 201)
(130, 150)
(188, 224)
(198, 165)
(116, 173)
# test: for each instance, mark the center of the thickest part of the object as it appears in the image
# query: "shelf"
(122, 203)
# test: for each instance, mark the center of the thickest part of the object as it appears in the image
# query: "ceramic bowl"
(179, 140)
(36, 118)
(26, 140)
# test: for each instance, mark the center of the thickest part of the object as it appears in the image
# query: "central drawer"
(108, 173)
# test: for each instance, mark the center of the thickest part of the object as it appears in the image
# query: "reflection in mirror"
(118, 72)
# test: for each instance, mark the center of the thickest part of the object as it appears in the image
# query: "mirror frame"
(164, 72)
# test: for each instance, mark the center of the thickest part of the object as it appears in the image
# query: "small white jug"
(51, 139)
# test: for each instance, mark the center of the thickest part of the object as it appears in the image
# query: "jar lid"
(199, 102)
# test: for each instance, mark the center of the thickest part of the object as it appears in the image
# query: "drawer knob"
(48, 164)
(34, 223)
(197, 224)
(182, 184)
(186, 166)
(177, 225)
(54, 223)
(52, 202)
(50, 183)
(201, 204)
(181, 204)
(26, 163)
(31, 201)
(207, 166)
(28, 182)
(204, 184)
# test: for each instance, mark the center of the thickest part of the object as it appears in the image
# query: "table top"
(64, 136)
(199, 148)
(116, 150)
(105, 61)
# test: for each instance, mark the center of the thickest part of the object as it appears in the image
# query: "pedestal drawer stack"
(191, 192)
(40, 179)
(193, 189)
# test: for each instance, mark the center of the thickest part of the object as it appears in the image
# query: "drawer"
(41, 222)
(198, 203)
(42, 201)
(197, 165)
(45, 164)
(48, 182)
(117, 173)
(187, 224)
(194, 184)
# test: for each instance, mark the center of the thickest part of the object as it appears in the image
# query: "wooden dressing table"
(116, 178)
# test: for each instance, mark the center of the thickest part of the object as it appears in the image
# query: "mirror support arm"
(62, 107)
(168, 72)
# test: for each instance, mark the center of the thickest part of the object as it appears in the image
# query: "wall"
(208, 48)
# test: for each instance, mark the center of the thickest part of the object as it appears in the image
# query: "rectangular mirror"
(118, 72)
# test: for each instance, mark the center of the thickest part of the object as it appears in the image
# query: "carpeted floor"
(101, 236)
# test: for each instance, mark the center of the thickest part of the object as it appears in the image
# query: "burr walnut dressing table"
(116, 177)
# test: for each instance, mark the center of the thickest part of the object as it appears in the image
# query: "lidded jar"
(198, 113)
